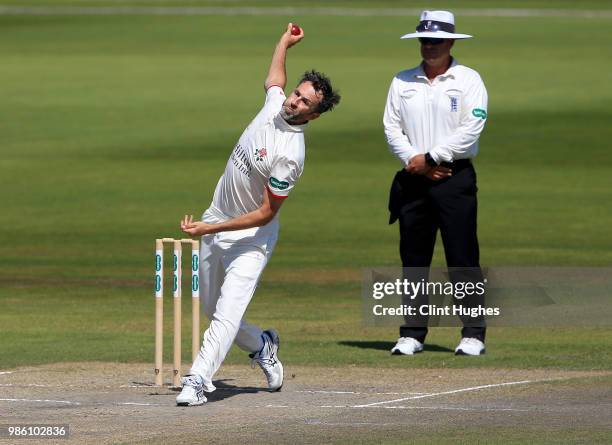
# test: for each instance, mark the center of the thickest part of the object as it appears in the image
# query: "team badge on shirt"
(453, 104)
(260, 154)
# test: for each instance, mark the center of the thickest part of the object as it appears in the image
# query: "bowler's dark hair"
(322, 85)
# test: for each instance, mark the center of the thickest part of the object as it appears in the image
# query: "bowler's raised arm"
(277, 74)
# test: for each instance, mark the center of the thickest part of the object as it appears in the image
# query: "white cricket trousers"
(230, 268)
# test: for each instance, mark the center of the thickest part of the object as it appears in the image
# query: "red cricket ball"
(295, 30)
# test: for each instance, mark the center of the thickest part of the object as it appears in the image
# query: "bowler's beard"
(290, 116)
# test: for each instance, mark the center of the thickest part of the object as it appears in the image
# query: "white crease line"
(291, 11)
(317, 422)
(313, 391)
(6, 372)
(22, 385)
(151, 386)
(433, 408)
(67, 402)
(455, 391)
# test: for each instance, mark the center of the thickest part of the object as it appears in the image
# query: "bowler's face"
(301, 104)
(432, 53)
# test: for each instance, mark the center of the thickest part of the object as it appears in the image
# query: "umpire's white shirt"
(443, 117)
(269, 154)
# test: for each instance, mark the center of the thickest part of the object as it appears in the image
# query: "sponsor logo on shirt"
(279, 185)
(479, 112)
(240, 159)
(260, 154)
(453, 104)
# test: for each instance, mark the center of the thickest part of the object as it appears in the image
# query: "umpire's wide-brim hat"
(437, 25)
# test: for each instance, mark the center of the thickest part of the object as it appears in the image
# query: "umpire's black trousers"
(423, 206)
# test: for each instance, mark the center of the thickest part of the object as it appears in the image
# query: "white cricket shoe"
(470, 346)
(407, 346)
(192, 393)
(267, 359)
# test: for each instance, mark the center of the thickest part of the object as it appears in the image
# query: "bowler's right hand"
(289, 39)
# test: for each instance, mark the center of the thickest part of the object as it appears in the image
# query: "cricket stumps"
(176, 293)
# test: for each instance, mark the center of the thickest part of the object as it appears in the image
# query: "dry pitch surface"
(115, 403)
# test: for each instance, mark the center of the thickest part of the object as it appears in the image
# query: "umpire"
(433, 118)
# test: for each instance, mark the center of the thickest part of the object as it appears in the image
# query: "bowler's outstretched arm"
(277, 74)
(257, 218)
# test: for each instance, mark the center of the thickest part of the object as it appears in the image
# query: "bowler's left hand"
(197, 228)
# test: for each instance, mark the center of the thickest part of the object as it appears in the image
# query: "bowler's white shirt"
(269, 154)
(443, 117)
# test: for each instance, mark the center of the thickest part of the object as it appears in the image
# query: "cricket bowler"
(240, 228)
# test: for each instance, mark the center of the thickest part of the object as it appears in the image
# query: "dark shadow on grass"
(387, 345)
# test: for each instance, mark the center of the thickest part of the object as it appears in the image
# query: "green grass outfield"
(113, 127)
